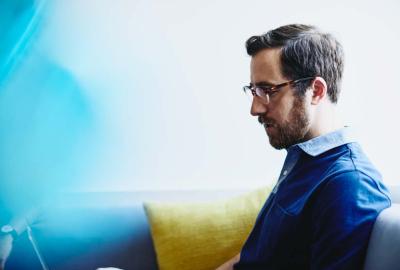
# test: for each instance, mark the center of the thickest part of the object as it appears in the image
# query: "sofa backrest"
(88, 238)
(91, 230)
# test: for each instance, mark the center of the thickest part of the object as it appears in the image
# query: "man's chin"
(275, 144)
(277, 147)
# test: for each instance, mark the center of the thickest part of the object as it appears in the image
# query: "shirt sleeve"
(343, 215)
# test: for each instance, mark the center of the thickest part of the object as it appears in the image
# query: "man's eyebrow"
(264, 83)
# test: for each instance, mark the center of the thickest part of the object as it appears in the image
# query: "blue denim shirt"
(322, 210)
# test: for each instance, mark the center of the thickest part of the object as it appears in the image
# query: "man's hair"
(305, 52)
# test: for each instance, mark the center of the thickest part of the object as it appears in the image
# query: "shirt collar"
(323, 143)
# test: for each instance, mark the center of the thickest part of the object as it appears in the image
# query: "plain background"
(157, 92)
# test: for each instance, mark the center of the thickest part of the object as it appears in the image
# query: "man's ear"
(319, 90)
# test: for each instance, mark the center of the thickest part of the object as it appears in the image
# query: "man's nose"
(258, 106)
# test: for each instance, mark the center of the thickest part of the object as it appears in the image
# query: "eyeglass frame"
(266, 91)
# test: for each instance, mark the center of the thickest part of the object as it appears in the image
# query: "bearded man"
(322, 210)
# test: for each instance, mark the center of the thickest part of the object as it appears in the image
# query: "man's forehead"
(268, 53)
(265, 67)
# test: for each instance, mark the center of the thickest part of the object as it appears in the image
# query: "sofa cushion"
(384, 245)
(202, 235)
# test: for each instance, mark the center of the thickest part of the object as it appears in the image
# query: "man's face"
(285, 117)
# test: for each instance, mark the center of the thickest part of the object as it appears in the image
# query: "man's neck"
(325, 121)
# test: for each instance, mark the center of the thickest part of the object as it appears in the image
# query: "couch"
(92, 230)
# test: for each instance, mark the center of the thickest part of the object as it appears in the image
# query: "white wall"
(165, 79)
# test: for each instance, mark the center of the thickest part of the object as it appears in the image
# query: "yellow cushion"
(199, 236)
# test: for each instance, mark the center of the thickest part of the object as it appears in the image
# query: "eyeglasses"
(265, 91)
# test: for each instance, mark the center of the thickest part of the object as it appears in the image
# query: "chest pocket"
(278, 234)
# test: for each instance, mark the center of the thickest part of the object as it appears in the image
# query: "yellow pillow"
(199, 236)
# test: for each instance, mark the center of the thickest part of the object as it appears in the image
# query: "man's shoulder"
(352, 164)
(347, 158)
(346, 171)
(356, 185)
(343, 172)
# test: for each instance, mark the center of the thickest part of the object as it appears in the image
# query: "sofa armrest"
(384, 245)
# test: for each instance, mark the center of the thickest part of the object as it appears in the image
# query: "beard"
(291, 131)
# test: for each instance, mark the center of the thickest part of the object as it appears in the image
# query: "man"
(322, 210)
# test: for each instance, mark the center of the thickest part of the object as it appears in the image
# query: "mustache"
(262, 119)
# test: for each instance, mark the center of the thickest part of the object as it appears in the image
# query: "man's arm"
(229, 264)
(344, 213)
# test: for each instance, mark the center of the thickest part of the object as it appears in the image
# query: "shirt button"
(284, 172)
